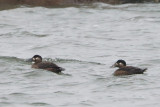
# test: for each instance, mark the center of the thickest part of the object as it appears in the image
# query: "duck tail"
(144, 70)
(61, 69)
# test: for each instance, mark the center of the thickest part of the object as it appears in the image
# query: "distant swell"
(71, 61)
(15, 59)
(11, 58)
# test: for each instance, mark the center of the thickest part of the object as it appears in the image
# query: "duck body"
(126, 70)
(47, 66)
(38, 64)
(129, 70)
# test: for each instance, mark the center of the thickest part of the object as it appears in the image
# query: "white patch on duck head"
(33, 60)
(121, 64)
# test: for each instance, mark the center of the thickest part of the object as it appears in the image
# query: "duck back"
(129, 70)
(48, 66)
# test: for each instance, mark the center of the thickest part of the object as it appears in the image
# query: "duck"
(39, 64)
(126, 70)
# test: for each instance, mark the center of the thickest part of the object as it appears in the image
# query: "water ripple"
(85, 40)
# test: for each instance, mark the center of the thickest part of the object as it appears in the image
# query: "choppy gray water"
(86, 41)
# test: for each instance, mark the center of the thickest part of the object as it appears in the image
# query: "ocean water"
(85, 40)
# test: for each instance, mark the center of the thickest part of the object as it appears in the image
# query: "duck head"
(36, 59)
(120, 63)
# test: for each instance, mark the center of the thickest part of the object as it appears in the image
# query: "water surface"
(86, 41)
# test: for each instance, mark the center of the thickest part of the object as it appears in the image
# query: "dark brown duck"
(38, 64)
(126, 70)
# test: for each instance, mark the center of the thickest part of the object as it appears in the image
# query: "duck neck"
(121, 66)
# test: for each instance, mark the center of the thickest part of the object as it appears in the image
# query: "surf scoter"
(38, 64)
(126, 70)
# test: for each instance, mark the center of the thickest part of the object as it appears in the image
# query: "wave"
(59, 60)
(11, 59)
(71, 61)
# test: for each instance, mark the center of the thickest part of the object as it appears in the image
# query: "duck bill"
(113, 66)
(29, 60)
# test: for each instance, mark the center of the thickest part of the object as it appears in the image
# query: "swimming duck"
(126, 70)
(38, 64)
